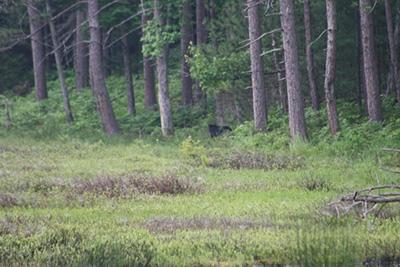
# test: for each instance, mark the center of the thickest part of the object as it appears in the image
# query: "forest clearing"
(199, 133)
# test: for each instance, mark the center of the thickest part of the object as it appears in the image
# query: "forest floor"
(139, 203)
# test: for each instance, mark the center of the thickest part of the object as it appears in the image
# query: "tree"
(297, 123)
(162, 76)
(257, 72)
(201, 38)
(279, 77)
(38, 54)
(128, 76)
(60, 69)
(312, 79)
(186, 39)
(370, 60)
(81, 60)
(150, 99)
(99, 88)
(330, 67)
(394, 82)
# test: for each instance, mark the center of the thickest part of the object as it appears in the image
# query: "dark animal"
(216, 130)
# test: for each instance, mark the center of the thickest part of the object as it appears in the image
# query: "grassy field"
(187, 203)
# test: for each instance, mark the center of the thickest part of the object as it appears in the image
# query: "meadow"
(70, 196)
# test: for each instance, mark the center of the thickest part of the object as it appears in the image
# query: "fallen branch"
(366, 200)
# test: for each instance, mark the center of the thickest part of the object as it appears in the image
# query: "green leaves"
(156, 37)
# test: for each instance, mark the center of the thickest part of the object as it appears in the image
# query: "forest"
(199, 132)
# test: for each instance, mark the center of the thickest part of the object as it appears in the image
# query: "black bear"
(216, 130)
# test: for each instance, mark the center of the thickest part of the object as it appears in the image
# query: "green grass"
(239, 217)
(73, 196)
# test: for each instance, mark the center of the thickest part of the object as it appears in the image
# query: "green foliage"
(217, 72)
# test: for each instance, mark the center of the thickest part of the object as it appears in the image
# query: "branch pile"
(367, 200)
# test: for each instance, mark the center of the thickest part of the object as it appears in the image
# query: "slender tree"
(370, 60)
(279, 77)
(99, 88)
(128, 76)
(162, 77)
(297, 123)
(330, 67)
(257, 72)
(201, 38)
(362, 92)
(81, 59)
(186, 39)
(312, 77)
(150, 99)
(60, 69)
(38, 52)
(394, 82)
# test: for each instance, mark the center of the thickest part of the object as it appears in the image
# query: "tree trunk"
(370, 60)
(257, 72)
(201, 38)
(279, 77)
(330, 67)
(312, 79)
(297, 122)
(99, 88)
(60, 69)
(38, 54)
(128, 76)
(150, 100)
(162, 77)
(219, 108)
(362, 92)
(394, 56)
(81, 60)
(186, 38)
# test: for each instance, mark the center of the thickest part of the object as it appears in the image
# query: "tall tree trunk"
(279, 76)
(162, 77)
(312, 79)
(60, 69)
(201, 38)
(257, 79)
(38, 54)
(362, 92)
(370, 60)
(219, 108)
(81, 60)
(297, 123)
(150, 100)
(99, 88)
(394, 55)
(128, 76)
(186, 38)
(330, 67)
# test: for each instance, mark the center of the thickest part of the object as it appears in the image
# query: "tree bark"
(186, 38)
(394, 56)
(81, 60)
(370, 60)
(150, 100)
(219, 108)
(362, 92)
(60, 69)
(297, 123)
(201, 38)
(99, 88)
(128, 76)
(279, 76)
(330, 67)
(312, 79)
(257, 70)
(162, 77)
(38, 53)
